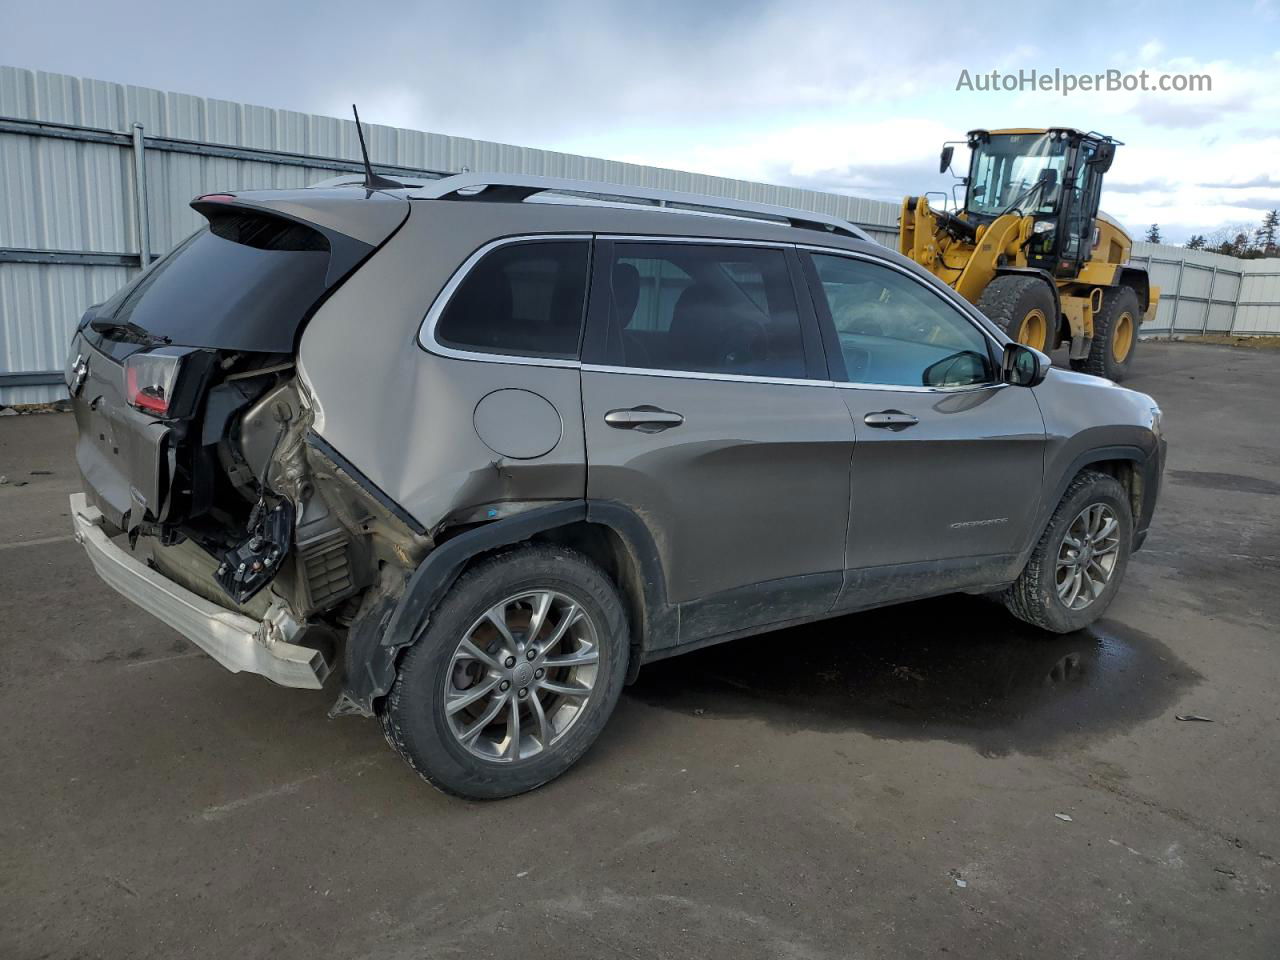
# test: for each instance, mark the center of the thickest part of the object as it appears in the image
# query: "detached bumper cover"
(235, 641)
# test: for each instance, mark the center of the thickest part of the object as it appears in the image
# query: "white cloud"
(879, 160)
(822, 94)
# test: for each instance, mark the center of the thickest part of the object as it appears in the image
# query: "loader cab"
(1053, 176)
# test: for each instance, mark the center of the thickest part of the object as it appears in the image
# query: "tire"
(1034, 596)
(1023, 307)
(413, 715)
(1115, 334)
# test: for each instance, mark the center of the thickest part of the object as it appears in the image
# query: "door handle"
(645, 418)
(890, 420)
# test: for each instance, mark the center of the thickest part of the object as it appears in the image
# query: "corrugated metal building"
(92, 171)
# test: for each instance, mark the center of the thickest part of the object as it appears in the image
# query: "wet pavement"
(933, 780)
(958, 669)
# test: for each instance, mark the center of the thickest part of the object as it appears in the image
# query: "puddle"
(956, 668)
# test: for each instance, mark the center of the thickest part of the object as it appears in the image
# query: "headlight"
(1157, 420)
(1043, 226)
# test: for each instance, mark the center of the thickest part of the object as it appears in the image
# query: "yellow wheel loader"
(1031, 250)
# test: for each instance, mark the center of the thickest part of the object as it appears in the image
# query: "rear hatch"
(159, 372)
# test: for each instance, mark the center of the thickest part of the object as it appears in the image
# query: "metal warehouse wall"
(73, 153)
(1205, 292)
(69, 224)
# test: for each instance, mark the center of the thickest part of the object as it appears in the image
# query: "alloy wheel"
(522, 676)
(1088, 556)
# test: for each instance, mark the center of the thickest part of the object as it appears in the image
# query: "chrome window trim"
(699, 375)
(427, 338)
(901, 388)
(427, 330)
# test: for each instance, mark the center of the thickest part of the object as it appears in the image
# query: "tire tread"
(1023, 598)
(392, 715)
(1099, 362)
(1000, 301)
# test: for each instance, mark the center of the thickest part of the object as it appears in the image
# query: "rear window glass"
(522, 299)
(245, 282)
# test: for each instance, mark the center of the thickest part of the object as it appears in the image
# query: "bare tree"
(1230, 238)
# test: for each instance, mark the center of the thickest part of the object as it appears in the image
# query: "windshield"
(1008, 165)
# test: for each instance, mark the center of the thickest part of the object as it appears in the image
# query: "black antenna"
(371, 180)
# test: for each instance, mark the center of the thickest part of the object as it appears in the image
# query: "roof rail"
(515, 187)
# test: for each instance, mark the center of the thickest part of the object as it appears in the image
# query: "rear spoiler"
(369, 216)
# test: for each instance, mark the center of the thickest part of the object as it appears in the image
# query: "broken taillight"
(149, 379)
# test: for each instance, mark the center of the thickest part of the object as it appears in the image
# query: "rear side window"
(705, 309)
(522, 299)
(244, 282)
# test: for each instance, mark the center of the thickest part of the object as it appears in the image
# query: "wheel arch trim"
(1143, 460)
(1139, 280)
(375, 642)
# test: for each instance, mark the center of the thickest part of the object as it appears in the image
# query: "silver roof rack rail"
(515, 187)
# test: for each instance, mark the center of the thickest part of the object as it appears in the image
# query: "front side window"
(893, 330)
(522, 299)
(703, 308)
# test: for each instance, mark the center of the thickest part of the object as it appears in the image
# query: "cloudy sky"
(842, 96)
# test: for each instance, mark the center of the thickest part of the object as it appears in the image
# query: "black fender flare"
(375, 641)
(1139, 279)
(658, 616)
(1148, 462)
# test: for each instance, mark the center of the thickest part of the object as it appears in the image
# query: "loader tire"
(1115, 334)
(1023, 307)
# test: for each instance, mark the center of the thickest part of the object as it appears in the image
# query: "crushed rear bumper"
(234, 640)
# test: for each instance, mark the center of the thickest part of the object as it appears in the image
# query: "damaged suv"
(481, 449)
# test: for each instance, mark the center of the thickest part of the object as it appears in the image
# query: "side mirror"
(1101, 160)
(1024, 366)
(945, 163)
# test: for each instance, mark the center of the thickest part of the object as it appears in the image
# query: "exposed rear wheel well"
(1129, 476)
(604, 546)
(612, 552)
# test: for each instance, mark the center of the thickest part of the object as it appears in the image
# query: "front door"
(708, 413)
(947, 467)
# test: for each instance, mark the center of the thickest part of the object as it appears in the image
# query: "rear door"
(708, 413)
(946, 475)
